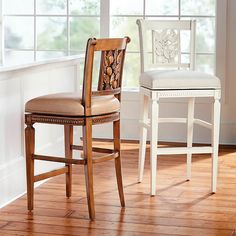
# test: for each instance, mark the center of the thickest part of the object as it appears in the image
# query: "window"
(123, 22)
(39, 29)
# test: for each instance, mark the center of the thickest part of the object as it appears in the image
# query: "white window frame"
(220, 43)
(36, 16)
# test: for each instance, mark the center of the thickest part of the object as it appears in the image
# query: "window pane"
(19, 7)
(131, 70)
(45, 7)
(84, 7)
(51, 33)
(19, 32)
(124, 7)
(205, 35)
(198, 7)
(81, 29)
(18, 57)
(126, 26)
(205, 63)
(161, 7)
(49, 54)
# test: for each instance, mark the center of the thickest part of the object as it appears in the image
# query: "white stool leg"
(143, 135)
(190, 124)
(153, 148)
(215, 142)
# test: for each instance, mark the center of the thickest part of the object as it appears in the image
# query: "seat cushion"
(178, 79)
(69, 104)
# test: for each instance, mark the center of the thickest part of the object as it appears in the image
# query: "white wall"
(16, 87)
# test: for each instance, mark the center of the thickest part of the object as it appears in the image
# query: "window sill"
(10, 68)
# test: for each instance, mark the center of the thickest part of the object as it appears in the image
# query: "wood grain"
(179, 208)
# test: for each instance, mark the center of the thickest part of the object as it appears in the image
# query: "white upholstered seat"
(183, 82)
(178, 79)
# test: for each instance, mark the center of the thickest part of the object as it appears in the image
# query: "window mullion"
(68, 27)
(1, 33)
(104, 18)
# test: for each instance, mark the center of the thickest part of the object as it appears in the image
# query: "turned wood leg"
(68, 134)
(116, 136)
(143, 136)
(88, 167)
(190, 134)
(29, 148)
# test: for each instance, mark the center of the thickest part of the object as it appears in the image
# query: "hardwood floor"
(180, 207)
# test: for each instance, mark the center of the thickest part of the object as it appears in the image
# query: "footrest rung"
(52, 173)
(58, 159)
(94, 149)
(184, 150)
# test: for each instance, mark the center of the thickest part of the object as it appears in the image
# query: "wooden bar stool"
(69, 109)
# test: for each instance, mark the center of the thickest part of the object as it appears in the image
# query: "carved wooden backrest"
(166, 43)
(111, 68)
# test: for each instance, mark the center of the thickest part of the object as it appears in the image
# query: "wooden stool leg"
(88, 167)
(116, 136)
(29, 148)
(68, 132)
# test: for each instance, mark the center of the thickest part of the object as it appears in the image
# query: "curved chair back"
(111, 68)
(163, 43)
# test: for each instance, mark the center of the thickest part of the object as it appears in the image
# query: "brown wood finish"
(180, 207)
(113, 55)
(116, 136)
(51, 174)
(68, 135)
(29, 150)
(88, 167)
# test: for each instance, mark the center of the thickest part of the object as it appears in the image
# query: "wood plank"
(180, 207)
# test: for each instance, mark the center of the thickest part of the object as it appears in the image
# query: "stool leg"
(88, 167)
(29, 148)
(68, 135)
(190, 134)
(143, 136)
(153, 148)
(215, 142)
(116, 135)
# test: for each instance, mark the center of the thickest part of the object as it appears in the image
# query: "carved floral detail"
(111, 69)
(166, 46)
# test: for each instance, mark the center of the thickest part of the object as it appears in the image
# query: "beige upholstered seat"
(70, 104)
(178, 79)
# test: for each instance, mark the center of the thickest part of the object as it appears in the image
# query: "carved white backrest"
(165, 48)
(166, 43)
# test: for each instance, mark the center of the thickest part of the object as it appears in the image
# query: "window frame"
(105, 16)
(36, 16)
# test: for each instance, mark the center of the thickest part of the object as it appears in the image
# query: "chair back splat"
(171, 39)
(111, 69)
